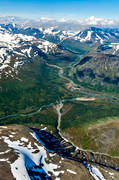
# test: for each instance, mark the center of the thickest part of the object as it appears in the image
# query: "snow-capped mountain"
(99, 35)
(92, 34)
(110, 48)
(17, 49)
(19, 45)
(59, 34)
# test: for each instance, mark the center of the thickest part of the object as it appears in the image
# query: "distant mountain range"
(18, 45)
(91, 34)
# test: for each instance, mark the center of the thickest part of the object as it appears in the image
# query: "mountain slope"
(98, 68)
(19, 49)
(23, 157)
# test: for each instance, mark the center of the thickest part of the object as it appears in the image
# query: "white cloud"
(63, 20)
(46, 19)
(91, 21)
(97, 21)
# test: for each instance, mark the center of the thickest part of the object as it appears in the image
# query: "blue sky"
(71, 9)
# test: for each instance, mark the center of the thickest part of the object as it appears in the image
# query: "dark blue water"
(34, 171)
(52, 144)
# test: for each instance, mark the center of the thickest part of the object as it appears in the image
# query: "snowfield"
(29, 158)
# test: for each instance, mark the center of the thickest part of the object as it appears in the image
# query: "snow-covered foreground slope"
(24, 158)
(31, 160)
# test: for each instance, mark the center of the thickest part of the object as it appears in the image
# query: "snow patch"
(70, 171)
(96, 173)
(18, 169)
(24, 139)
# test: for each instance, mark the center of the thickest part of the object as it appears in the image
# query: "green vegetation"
(38, 85)
(76, 46)
(106, 88)
(93, 125)
(86, 113)
(47, 117)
